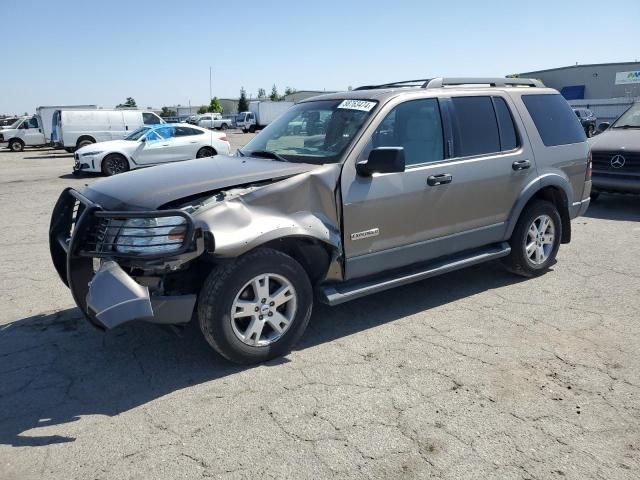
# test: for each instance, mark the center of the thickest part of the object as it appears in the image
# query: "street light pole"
(210, 94)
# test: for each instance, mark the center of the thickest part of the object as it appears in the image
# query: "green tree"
(262, 93)
(215, 106)
(166, 112)
(243, 103)
(202, 110)
(128, 103)
(289, 91)
(274, 94)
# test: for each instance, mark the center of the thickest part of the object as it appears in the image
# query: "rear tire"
(252, 129)
(113, 164)
(16, 145)
(239, 287)
(84, 142)
(205, 152)
(535, 240)
(224, 126)
(591, 131)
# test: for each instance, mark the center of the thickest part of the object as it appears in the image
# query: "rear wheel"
(591, 131)
(255, 308)
(205, 152)
(113, 164)
(252, 129)
(16, 145)
(224, 126)
(535, 240)
(84, 142)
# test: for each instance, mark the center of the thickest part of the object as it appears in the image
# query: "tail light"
(589, 166)
(223, 138)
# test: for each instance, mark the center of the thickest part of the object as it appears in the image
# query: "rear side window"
(477, 128)
(508, 137)
(554, 119)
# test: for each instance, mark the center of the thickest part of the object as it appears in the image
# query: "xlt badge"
(373, 232)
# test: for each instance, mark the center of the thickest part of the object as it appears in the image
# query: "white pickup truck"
(213, 120)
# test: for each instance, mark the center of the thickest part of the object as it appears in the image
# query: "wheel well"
(15, 139)
(313, 255)
(209, 148)
(85, 137)
(558, 197)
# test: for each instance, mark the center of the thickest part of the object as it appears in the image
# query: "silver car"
(373, 189)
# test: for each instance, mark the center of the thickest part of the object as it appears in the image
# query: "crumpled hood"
(150, 188)
(616, 139)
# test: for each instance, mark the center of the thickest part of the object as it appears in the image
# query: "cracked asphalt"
(476, 374)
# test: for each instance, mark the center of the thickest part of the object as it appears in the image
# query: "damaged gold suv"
(344, 195)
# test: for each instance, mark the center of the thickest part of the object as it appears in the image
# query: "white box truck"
(261, 113)
(77, 128)
(45, 113)
(35, 130)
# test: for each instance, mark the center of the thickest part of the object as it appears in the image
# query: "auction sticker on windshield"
(361, 105)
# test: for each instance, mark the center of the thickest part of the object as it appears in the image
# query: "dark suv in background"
(587, 119)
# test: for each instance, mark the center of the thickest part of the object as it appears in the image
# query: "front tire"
(16, 146)
(83, 143)
(114, 164)
(255, 308)
(535, 240)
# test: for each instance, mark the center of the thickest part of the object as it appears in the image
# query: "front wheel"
(113, 164)
(256, 308)
(16, 145)
(535, 240)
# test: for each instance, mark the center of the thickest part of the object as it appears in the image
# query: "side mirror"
(143, 139)
(603, 126)
(382, 160)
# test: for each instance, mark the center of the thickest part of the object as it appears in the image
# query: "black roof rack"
(458, 81)
(405, 83)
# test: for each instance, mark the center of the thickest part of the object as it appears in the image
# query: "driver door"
(33, 132)
(159, 147)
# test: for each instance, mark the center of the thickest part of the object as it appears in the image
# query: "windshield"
(137, 134)
(630, 118)
(16, 123)
(312, 132)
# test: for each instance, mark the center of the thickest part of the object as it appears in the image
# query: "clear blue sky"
(73, 51)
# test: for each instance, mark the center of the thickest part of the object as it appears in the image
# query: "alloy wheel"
(263, 310)
(540, 239)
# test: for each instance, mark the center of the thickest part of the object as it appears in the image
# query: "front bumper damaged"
(109, 296)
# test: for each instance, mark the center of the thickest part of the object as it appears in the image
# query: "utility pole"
(210, 94)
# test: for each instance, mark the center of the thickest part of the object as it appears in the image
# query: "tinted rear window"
(554, 119)
(476, 126)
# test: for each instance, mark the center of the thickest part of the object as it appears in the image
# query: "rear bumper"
(616, 183)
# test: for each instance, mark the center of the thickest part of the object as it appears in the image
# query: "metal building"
(594, 81)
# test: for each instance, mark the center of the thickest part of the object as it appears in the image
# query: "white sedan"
(151, 145)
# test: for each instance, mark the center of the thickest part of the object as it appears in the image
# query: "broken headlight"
(151, 235)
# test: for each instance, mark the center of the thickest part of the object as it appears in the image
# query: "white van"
(45, 115)
(78, 128)
(25, 132)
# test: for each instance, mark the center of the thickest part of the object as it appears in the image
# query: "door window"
(415, 126)
(165, 132)
(30, 123)
(185, 131)
(152, 137)
(150, 119)
(476, 126)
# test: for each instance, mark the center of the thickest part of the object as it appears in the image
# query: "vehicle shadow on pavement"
(56, 368)
(615, 207)
(42, 157)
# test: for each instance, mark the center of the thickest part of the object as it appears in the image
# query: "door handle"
(521, 165)
(442, 179)
(194, 142)
(164, 144)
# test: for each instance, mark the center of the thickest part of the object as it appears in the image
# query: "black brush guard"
(81, 230)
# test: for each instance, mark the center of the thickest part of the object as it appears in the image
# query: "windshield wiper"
(241, 153)
(268, 154)
(627, 126)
